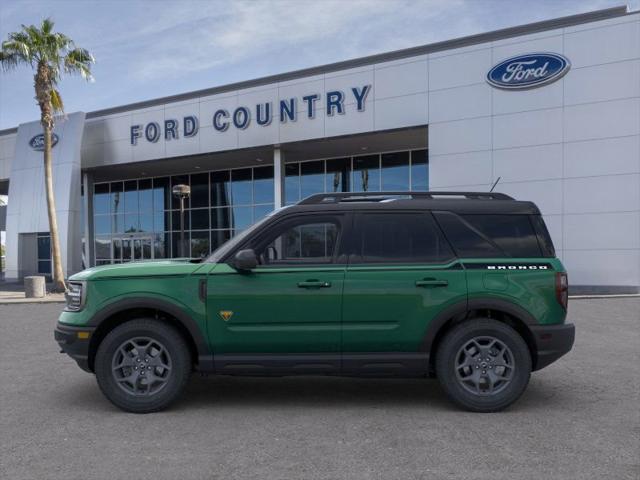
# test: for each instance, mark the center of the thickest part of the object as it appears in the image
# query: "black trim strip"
(348, 364)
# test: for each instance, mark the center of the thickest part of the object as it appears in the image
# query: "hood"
(146, 268)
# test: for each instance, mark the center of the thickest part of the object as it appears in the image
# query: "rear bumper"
(73, 345)
(552, 342)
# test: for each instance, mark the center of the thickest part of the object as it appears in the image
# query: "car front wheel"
(143, 365)
(483, 365)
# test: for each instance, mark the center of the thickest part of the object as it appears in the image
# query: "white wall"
(397, 99)
(7, 151)
(27, 206)
(572, 146)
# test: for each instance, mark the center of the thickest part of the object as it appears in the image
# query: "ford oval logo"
(37, 142)
(528, 71)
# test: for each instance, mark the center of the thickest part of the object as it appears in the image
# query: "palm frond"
(47, 26)
(79, 61)
(56, 101)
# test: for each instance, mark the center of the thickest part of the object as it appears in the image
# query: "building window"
(44, 253)
(140, 219)
(393, 171)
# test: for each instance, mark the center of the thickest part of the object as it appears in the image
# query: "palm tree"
(50, 55)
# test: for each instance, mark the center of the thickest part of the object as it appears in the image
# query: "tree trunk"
(43, 86)
(56, 258)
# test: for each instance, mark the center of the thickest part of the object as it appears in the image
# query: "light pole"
(182, 192)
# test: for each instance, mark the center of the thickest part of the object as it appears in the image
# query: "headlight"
(75, 296)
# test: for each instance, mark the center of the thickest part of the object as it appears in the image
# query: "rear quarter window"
(490, 235)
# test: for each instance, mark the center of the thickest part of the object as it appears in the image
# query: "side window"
(399, 238)
(490, 235)
(307, 241)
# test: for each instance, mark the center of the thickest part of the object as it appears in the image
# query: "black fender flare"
(203, 352)
(462, 308)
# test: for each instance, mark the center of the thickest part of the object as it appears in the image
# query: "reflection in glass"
(101, 198)
(220, 189)
(311, 178)
(199, 244)
(395, 171)
(242, 217)
(263, 185)
(131, 203)
(420, 170)
(161, 194)
(179, 180)
(366, 173)
(146, 222)
(218, 237)
(145, 195)
(117, 249)
(200, 219)
(175, 220)
(117, 198)
(131, 222)
(175, 244)
(338, 170)
(220, 218)
(200, 190)
(292, 183)
(127, 249)
(103, 247)
(241, 186)
(160, 222)
(160, 242)
(102, 224)
(261, 211)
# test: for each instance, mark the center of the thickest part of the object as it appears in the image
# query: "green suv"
(462, 286)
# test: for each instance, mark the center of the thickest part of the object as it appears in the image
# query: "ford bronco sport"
(462, 286)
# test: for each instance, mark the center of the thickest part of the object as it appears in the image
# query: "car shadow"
(312, 391)
(224, 392)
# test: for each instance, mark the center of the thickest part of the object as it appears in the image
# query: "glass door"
(132, 248)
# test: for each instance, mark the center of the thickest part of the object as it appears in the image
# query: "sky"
(150, 49)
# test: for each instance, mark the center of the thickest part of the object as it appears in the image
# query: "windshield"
(230, 244)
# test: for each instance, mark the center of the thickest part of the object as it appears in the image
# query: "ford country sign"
(528, 71)
(37, 142)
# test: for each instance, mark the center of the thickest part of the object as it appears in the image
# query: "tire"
(471, 365)
(143, 365)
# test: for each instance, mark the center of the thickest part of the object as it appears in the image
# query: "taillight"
(562, 289)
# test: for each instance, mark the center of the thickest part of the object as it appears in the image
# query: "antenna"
(494, 184)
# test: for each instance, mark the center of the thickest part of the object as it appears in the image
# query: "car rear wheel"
(483, 365)
(143, 365)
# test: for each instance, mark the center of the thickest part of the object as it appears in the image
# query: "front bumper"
(74, 341)
(552, 342)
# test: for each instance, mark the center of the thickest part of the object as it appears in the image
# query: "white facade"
(572, 146)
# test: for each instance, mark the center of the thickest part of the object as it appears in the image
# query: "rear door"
(401, 274)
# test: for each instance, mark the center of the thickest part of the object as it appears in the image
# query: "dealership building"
(550, 109)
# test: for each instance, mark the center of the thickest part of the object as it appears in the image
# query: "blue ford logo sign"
(528, 71)
(37, 142)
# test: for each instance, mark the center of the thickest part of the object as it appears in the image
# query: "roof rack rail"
(320, 198)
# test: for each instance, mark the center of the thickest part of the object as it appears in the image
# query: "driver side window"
(303, 242)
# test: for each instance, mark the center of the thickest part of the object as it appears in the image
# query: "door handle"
(314, 284)
(431, 282)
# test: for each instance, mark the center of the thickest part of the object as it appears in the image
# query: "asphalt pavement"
(578, 419)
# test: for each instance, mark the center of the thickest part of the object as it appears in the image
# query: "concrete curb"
(15, 301)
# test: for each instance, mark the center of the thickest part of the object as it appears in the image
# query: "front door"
(291, 303)
(130, 248)
(401, 274)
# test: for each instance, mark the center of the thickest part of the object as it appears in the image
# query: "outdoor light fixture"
(182, 192)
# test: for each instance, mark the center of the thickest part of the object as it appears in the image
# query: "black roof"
(457, 202)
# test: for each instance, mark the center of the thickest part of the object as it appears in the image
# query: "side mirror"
(245, 260)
